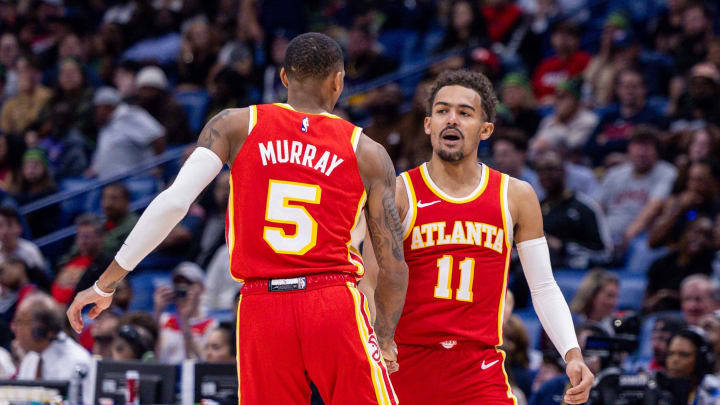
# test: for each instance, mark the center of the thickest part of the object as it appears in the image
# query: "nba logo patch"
(305, 124)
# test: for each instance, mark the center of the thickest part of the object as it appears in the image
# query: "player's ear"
(486, 130)
(283, 77)
(339, 81)
(426, 124)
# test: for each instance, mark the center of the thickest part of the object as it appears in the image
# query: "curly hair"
(312, 56)
(471, 80)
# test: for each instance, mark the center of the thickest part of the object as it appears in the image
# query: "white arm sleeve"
(169, 207)
(548, 301)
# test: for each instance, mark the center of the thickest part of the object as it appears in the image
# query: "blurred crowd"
(609, 109)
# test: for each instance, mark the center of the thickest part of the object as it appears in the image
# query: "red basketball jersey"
(295, 195)
(458, 252)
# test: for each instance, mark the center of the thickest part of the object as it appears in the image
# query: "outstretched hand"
(83, 299)
(581, 379)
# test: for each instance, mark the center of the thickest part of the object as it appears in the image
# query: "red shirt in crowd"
(555, 70)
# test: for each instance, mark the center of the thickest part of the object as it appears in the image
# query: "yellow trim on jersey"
(289, 107)
(508, 246)
(507, 380)
(413, 203)
(382, 393)
(231, 229)
(355, 137)
(441, 194)
(237, 348)
(253, 118)
(361, 204)
(504, 184)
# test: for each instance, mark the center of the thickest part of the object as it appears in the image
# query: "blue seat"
(569, 281)
(140, 187)
(632, 290)
(195, 104)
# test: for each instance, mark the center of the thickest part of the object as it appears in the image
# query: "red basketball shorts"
(320, 333)
(464, 374)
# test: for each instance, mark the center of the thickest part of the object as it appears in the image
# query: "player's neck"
(303, 100)
(455, 178)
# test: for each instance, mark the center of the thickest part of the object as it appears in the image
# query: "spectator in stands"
(417, 148)
(198, 52)
(697, 29)
(568, 62)
(48, 353)
(698, 145)
(666, 30)
(698, 196)
(34, 182)
(220, 345)
(21, 110)
(698, 297)
(690, 357)
(102, 332)
(132, 342)
(699, 105)
(710, 323)
(182, 335)
(273, 89)
(665, 326)
(383, 105)
(570, 124)
(213, 232)
(509, 155)
(617, 50)
(596, 299)
(73, 88)
(632, 193)
(9, 54)
(15, 285)
(119, 220)
(503, 17)
(154, 96)
(694, 254)
(466, 27)
(618, 122)
(364, 61)
(574, 224)
(11, 244)
(87, 249)
(124, 79)
(128, 135)
(67, 148)
(516, 345)
(9, 160)
(518, 104)
(228, 89)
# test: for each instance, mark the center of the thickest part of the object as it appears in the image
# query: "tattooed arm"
(221, 136)
(385, 227)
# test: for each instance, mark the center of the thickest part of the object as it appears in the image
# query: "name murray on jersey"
(461, 233)
(296, 152)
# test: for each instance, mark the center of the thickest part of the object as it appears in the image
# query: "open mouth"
(451, 137)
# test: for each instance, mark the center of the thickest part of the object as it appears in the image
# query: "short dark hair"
(120, 186)
(312, 56)
(90, 219)
(229, 330)
(646, 134)
(471, 80)
(10, 213)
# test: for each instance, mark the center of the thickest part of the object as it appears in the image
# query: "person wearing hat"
(570, 124)
(182, 334)
(127, 136)
(518, 104)
(568, 62)
(34, 182)
(154, 96)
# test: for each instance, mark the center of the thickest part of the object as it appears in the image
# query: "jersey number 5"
(280, 210)
(445, 268)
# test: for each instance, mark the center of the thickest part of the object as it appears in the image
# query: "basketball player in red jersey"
(460, 220)
(300, 178)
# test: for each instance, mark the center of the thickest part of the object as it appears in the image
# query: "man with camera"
(183, 333)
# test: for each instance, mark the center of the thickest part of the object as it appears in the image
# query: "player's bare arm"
(369, 281)
(385, 227)
(547, 298)
(220, 138)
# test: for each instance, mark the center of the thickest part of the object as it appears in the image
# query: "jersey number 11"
(445, 269)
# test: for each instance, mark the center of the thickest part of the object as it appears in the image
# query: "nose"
(452, 118)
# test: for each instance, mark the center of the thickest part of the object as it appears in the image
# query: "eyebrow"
(459, 105)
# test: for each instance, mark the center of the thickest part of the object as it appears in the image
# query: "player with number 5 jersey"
(300, 179)
(460, 219)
